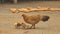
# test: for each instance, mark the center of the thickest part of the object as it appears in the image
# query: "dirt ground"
(7, 19)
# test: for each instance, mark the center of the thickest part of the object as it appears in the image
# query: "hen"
(34, 19)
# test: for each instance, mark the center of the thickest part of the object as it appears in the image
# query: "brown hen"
(34, 19)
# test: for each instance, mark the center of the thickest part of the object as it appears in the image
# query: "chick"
(17, 25)
(21, 25)
(25, 26)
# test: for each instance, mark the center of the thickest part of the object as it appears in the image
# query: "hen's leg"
(34, 26)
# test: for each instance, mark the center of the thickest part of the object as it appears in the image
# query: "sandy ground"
(7, 19)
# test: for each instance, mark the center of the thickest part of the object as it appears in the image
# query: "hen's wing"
(32, 19)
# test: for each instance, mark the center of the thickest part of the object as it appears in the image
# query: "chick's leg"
(33, 26)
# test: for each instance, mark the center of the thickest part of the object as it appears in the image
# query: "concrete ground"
(7, 19)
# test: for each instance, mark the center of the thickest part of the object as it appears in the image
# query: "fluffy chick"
(21, 25)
